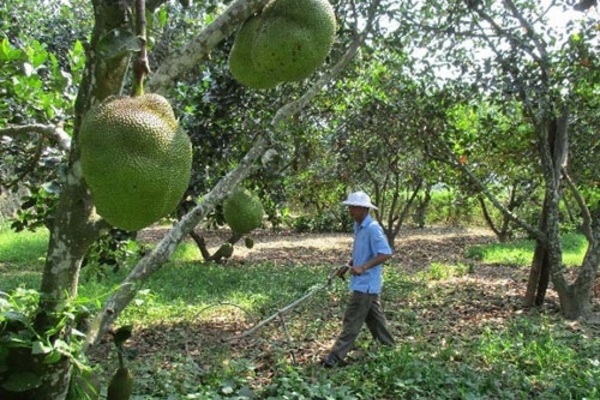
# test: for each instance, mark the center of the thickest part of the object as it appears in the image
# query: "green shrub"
(439, 271)
(322, 222)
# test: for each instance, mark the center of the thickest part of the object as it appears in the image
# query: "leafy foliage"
(18, 339)
(40, 68)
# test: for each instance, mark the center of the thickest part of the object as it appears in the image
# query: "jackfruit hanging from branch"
(286, 42)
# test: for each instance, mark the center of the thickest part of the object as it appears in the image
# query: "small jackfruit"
(121, 385)
(243, 211)
(135, 159)
(226, 250)
(249, 242)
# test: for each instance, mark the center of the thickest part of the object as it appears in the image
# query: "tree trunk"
(575, 298)
(421, 210)
(575, 302)
(75, 226)
(488, 218)
(539, 273)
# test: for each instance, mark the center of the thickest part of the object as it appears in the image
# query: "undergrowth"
(460, 334)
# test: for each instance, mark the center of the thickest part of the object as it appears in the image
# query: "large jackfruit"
(243, 211)
(294, 38)
(240, 59)
(135, 159)
(288, 41)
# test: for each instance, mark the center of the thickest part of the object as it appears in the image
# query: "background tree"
(527, 63)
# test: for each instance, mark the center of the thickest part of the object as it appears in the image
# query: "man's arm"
(378, 259)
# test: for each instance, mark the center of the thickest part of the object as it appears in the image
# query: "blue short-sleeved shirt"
(369, 240)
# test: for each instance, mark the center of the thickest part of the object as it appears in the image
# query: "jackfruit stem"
(120, 355)
(140, 64)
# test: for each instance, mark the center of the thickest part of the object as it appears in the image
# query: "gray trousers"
(362, 308)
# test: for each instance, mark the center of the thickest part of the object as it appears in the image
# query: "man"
(371, 249)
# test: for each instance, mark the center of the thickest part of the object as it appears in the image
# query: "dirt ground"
(497, 294)
(415, 249)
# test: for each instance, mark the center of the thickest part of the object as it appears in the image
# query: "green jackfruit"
(288, 41)
(135, 159)
(243, 211)
(240, 59)
(121, 385)
(249, 242)
(226, 250)
(294, 38)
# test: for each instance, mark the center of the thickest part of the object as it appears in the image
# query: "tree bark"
(75, 226)
(575, 298)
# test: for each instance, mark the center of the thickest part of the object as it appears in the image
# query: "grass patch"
(22, 257)
(460, 336)
(520, 252)
(23, 248)
(441, 271)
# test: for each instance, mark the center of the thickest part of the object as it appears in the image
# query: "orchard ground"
(434, 295)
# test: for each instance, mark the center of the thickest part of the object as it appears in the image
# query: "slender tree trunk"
(421, 211)
(488, 218)
(539, 272)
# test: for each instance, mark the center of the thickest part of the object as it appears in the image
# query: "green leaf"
(52, 357)
(7, 52)
(28, 69)
(40, 348)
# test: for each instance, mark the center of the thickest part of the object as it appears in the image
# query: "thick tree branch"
(585, 211)
(515, 41)
(530, 32)
(52, 132)
(200, 47)
(533, 231)
(539, 235)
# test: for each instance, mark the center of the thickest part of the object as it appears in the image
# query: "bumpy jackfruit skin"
(227, 250)
(240, 59)
(294, 38)
(288, 41)
(243, 211)
(135, 159)
(121, 385)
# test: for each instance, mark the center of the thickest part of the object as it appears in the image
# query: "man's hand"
(359, 270)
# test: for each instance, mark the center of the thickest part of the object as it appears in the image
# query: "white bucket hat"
(359, 199)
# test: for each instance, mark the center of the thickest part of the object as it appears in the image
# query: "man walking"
(370, 250)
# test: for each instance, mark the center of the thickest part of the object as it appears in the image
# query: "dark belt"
(367, 293)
